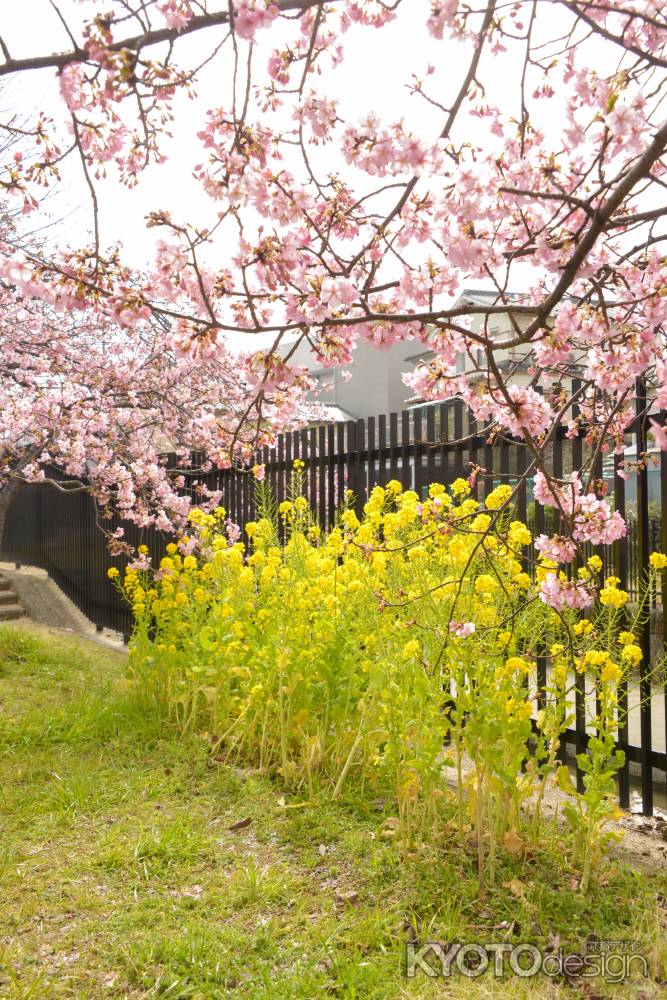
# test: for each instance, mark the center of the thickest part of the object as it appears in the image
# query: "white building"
(376, 385)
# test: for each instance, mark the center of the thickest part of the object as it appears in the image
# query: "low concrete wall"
(45, 603)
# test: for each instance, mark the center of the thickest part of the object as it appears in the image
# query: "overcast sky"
(373, 77)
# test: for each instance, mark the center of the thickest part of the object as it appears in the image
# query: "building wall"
(376, 385)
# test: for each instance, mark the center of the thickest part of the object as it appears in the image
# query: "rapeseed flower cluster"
(354, 655)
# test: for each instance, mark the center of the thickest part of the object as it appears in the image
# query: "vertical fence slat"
(393, 444)
(458, 438)
(311, 467)
(322, 467)
(621, 571)
(352, 468)
(406, 472)
(417, 450)
(580, 679)
(340, 465)
(430, 445)
(663, 589)
(488, 477)
(382, 449)
(645, 624)
(331, 473)
(472, 452)
(371, 475)
(445, 447)
(361, 467)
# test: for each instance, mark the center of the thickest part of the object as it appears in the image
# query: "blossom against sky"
(375, 78)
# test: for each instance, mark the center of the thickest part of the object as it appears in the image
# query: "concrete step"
(9, 612)
(8, 597)
(5, 584)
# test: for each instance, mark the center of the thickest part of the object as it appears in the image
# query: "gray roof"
(479, 297)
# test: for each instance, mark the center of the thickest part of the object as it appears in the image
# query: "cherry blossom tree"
(328, 225)
(105, 404)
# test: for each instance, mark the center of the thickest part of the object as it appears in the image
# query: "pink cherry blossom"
(562, 594)
(556, 549)
(462, 630)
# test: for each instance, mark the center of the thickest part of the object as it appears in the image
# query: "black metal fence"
(437, 443)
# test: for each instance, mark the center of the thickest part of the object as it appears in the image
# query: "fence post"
(393, 445)
(417, 450)
(382, 449)
(445, 447)
(644, 602)
(580, 679)
(362, 467)
(663, 548)
(371, 477)
(406, 472)
(621, 571)
(351, 437)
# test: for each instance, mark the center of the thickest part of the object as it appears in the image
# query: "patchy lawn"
(122, 876)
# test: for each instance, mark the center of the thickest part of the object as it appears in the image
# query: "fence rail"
(60, 533)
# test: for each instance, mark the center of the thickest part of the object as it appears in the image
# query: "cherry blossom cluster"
(103, 399)
(589, 518)
(562, 594)
(251, 15)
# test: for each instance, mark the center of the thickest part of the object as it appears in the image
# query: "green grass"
(119, 876)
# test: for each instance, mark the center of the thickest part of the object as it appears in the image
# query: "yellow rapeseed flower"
(498, 497)
(411, 649)
(519, 535)
(560, 674)
(481, 523)
(350, 520)
(460, 488)
(517, 663)
(611, 672)
(485, 584)
(632, 654)
(612, 597)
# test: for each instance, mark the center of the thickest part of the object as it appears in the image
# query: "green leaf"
(564, 780)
